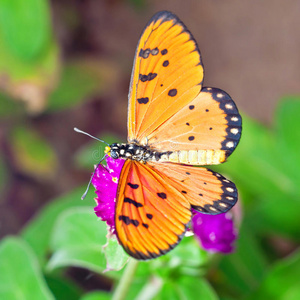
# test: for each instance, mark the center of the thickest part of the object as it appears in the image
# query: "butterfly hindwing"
(151, 214)
(206, 191)
(167, 74)
(210, 122)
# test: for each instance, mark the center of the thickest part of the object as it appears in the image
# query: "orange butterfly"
(173, 124)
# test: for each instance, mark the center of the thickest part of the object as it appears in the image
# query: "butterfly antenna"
(88, 186)
(83, 132)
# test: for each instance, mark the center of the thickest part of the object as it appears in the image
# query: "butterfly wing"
(206, 191)
(210, 122)
(151, 214)
(166, 76)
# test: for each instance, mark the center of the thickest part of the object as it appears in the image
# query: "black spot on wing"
(226, 200)
(125, 219)
(165, 63)
(148, 77)
(129, 221)
(135, 223)
(172, 92)
(149, 216)
(154, 51)
(144, 53)
(144, 100)
(233, 118)
(133, 186)
(133, 202)
(162, 195)
(164, 52)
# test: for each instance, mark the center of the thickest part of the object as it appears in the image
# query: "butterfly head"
(113, 151)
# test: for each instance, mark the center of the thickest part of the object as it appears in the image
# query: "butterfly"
(174, 125)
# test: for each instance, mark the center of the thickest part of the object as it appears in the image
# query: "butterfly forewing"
(151, 214)
(166, 76)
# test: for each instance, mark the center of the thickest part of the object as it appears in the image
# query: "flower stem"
(125, 281)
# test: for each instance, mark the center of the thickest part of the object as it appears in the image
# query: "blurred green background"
(68, 63)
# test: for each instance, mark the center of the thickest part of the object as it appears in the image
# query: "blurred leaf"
(196, 288)
(32, 153)
(116, 257)
(138, 3)
(288, 123)
(25, 26)
(29, 59)
(81, 80)
(96, 296)
(282, 281)
(185, 288)
(186, 259)
(8, 107)
(91, 153)
(37, 232)
(245, 268)
(265, 170)
(188, 255)
(251, 163)
(144, 288)
(20, 276)
(62, 288)
(77, 240)
(3, 177)
(168, 291)
(288, 132)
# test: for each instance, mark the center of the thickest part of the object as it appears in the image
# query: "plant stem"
(125, 281)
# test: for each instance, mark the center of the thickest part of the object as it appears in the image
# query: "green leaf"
(62, 288)
(288, 136)
(195, 288)
(20, 276)
(29, 56)
(96, 296)
(77, 240)
(25, 26)
(185, 288)
(9, 108)
(115, 256)
(251, 164)
(244, 269)
(81, 80)
(32, 153)
(37, 232)
(282, 280)
(288, 123)
(3, 177)
(266, 173)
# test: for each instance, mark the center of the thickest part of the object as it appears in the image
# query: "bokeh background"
(66, 64)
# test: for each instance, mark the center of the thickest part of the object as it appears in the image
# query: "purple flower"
(216, 233)
(105, 182)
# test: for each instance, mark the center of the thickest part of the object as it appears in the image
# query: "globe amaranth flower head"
(105, 182)
(216, 233)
